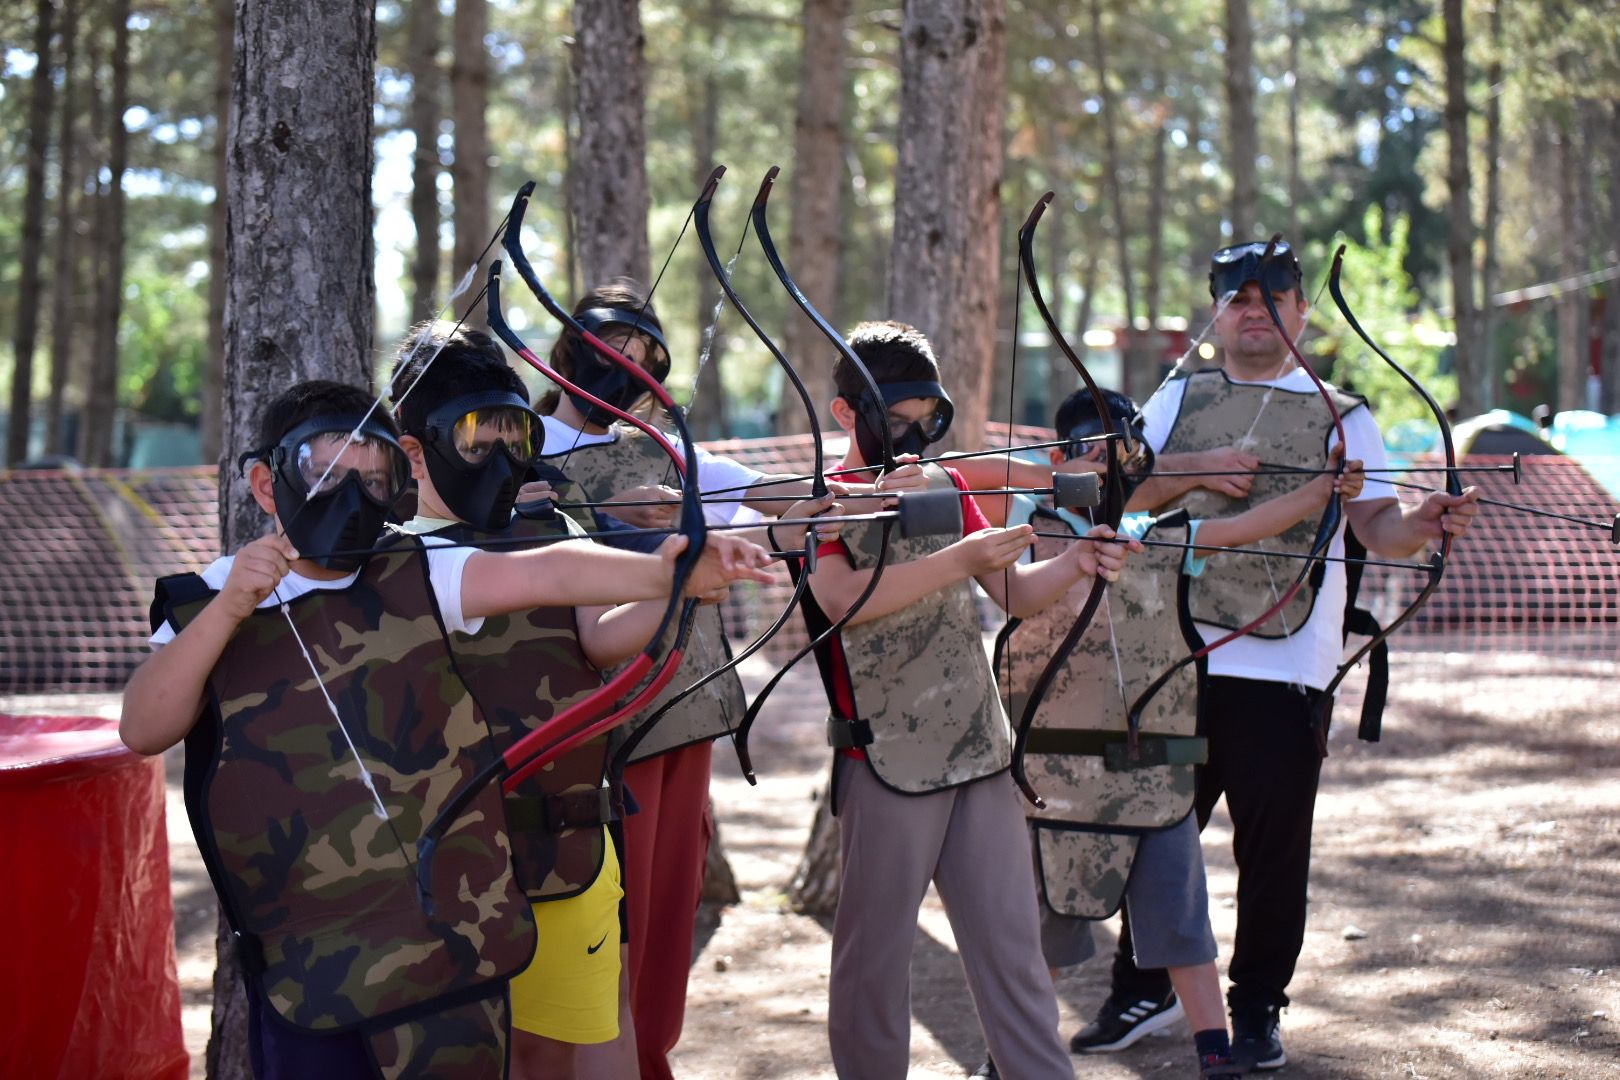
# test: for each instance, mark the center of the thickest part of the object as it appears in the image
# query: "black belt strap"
(558, 813)
(848, 734)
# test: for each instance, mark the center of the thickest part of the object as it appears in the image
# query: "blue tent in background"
(1590, 438)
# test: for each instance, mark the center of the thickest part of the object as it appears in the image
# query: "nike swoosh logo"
(592, 948)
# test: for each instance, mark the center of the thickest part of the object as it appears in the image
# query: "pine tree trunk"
(299, 287)
(1489, 377)
(1151, 348)
(708, 419)
(719, 883)
(102, 409)
(1611, 307)
(425, 115)
(1243, 129)
(29, 284)
(1116, 201)
(213, 436)
(1460, 214)
(945, 260)
(66, 278)
(610, 198)
(1296, 190)
(469, 100)
(816, 232)
(1571, 349)
(814, 890)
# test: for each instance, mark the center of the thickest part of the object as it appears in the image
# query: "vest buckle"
(848, 734)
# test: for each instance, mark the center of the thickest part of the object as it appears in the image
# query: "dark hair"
(467, 362)
(892, 351)
(623, 293)
(312, 398)
(1079, 408)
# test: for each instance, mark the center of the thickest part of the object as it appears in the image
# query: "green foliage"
(1386, 304)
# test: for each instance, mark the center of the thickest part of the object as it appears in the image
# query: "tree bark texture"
(1489, 373)
(814, 890)
(469, 99)
(213, 437)
(1459, 214)
(1243, 131)
(945, 257)
(1116, 200)
(425, 116)
(611, 201)
(708, 419)
(816, 233)
(1295, 188)
(102, 408)
(1572, 366)
(1611, 307)
(65, 284)
(719, 883)
(30, 287)
(299, 288)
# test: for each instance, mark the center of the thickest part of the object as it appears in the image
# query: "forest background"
(1465, 151)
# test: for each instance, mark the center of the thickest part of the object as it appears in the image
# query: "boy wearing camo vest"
(1115, 830)
(326, 724)
(472, 441)
(920, 784)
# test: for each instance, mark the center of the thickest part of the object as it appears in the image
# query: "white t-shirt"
(1310, 655)
(444, 573)
(715, 473)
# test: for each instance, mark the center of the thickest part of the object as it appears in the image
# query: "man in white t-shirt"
(1260, 704)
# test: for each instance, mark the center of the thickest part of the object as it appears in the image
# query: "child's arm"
(1276, 515)
(1032, 587)
(165, 694)
(837, 584)
(576, 572)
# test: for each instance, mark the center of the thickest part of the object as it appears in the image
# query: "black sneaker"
(1219, 1067)
(1121, 1023)
(987, 1070)
(1256, 1042)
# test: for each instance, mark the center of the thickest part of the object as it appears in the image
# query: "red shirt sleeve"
(973, 518)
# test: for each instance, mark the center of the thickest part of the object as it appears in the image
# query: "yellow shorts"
(570, 992)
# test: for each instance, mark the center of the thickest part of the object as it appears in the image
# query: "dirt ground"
(1477, 847)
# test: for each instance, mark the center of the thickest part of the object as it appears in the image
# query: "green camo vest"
(1293, 428)
(921, 678)
(523, 669)
(1098, 801)
(598, 472)
(320, 892)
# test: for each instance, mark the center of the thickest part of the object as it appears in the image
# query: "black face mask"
(478, 482)
(912, 438)
(604, 379)
(345, 518)
(348, 509)
(1134, 468)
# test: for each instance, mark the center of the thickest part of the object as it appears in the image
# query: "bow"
(762, 231)
(1327, 528)
(1373, 706)
(818, 481)
(584, 719)
(1113, 505)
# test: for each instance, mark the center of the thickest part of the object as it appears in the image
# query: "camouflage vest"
(1098, 801)
(596, 473)
(524, 669)
(321, 894)
(1293, 428)
(920, 676)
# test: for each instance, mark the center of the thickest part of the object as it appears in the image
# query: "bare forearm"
(1157, 490)
(777, 494)
(165, 694)
(1387, 527)
(1033, 587)
(837, 586)
(614, 635)
(1270, 518)
(567, 574)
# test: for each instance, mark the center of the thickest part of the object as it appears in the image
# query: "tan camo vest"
(921, 678)
(523, 669)
(320, 892)
(1098, 800)
(1293, 428)
(597, 472)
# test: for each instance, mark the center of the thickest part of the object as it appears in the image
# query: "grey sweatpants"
(971, 843)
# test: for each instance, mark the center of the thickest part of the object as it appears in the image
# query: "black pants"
(1264, 756)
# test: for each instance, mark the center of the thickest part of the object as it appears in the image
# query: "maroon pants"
(665, 846)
